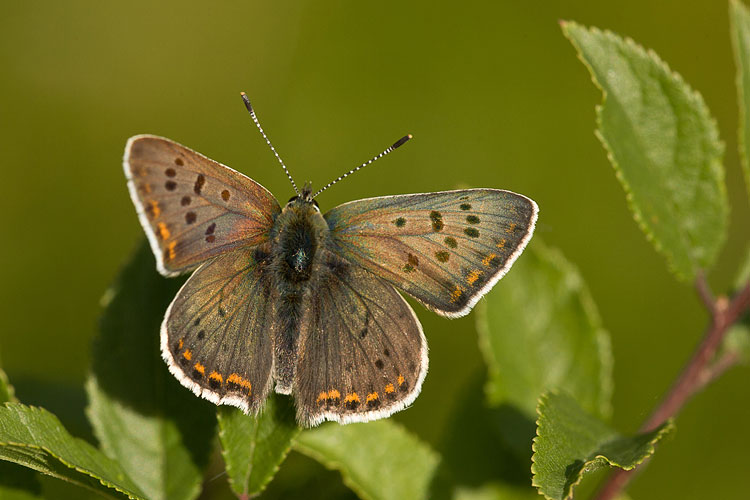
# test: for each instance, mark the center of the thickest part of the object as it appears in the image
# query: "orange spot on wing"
(371, 397)
(171, 251)
(163, 231)
(234, 378)
(216, 376)
(200, 368)
(146, 188)
(334, 394)
(188, 354)
(486, 261)
(511, 228)
(389, 389)
(351, 397)
(500, 244)
(155, 208)
(322, 397)
(473, 276)
(456, 294)
(401, 380)
(180, 344)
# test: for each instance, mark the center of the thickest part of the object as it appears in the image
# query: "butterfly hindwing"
(363, 355)
(193, 208)
(217, 333)
(446, 249)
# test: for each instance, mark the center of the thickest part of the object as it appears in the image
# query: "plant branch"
(697, 373)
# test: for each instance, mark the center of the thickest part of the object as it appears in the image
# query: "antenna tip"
(401, 141)
(246, 101)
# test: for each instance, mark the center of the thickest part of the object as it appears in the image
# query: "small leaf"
(739, 15)
(378, 460)
(570, 443)
(254, 447)
(157, 430)
(737, 341)
(539, 329)
(36, 439)
(6, 390)
(664, 146)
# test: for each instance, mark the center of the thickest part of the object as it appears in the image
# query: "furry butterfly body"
(291, 300)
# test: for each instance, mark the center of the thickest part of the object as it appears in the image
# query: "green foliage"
(378, 460)
(549, 363)
(540, 329)
(570, 443)
(739, 16)
(664, 146)
(160, 433)
(254, 447)
(36, 439)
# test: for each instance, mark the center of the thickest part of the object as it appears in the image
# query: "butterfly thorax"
(297, 235)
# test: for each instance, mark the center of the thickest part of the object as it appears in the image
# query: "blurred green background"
(494, 96)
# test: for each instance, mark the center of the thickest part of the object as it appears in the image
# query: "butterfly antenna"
(395, 145)
(257, 123)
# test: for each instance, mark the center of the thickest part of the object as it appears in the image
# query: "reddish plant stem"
(696, 375)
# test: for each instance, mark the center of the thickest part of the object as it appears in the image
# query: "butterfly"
(305, 303)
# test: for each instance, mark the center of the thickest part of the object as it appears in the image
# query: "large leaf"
(540, 329)
(378, 460)
(157, 430)
(570, 443)
(664, 146)
(254, 447)
(740, 20)
(36, 439)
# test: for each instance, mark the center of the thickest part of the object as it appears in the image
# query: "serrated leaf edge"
(693, 95)
(81, 470)
(665, 429)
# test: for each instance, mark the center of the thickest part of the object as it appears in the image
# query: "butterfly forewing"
(217, 333)
(446, 249)
(193, 208)
(362, 352)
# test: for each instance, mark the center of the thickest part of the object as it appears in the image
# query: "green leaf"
(378, 460)
(539, 329)
(157, 430)
(570, 443)
(664, 146)
(36, 439)
(737, 341)
(739, 15)
(6, 390)
(254, 447)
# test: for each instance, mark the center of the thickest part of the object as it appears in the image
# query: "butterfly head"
(305, 196)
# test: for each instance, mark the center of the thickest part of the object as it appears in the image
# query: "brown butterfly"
(305, 303)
